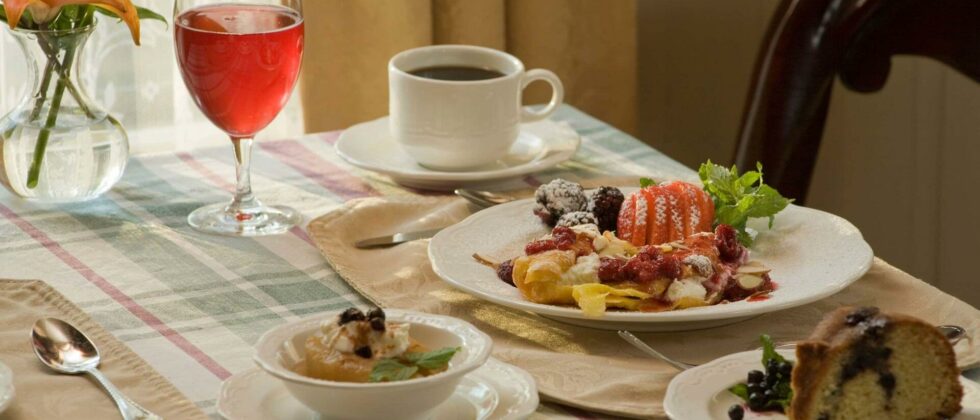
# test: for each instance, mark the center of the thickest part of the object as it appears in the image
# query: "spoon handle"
(127, 407)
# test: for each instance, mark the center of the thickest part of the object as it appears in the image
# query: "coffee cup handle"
(557, 95)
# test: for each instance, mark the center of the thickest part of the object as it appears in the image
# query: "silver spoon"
(484, 198)
(65, 349)
(953, 333)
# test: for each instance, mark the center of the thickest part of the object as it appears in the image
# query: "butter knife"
(398, 238)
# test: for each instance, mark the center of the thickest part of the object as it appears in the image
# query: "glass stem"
(244, 201)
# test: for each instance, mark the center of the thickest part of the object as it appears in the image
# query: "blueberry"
(785, 369)
(756, 388)
(771, 381)
(376, 313)
(757, 401)
(772, 366)
(756, 377)
(736, 412)
(351, 314)
(378, 324)
(364, 351)
(769, 394)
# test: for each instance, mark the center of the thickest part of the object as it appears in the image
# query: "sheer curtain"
(141, 86)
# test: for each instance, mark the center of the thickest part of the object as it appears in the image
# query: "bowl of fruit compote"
(374, 364)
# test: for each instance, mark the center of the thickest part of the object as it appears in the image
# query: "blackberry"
(556, 198)
(605, 204)
(576, 218)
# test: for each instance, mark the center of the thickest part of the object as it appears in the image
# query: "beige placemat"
(42, 394)
(582, 367)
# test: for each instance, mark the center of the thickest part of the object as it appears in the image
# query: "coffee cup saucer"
(540, 145)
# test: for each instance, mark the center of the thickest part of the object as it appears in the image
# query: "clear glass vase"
(57, 145)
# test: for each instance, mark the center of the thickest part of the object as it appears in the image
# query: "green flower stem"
(45, 83)
(34, 173)
(64, 70)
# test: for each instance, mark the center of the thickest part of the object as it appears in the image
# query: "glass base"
(258, 220)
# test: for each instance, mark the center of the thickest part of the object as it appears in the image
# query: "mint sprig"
(739, 198)
(647, 182)
(783, 389)
(408, 364)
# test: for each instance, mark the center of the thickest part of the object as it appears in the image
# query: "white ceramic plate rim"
(715, 312)
(710, 379)
(549, 158)
(477, 343)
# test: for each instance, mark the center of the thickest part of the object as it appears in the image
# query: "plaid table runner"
(192, 304)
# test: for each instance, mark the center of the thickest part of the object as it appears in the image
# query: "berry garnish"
(576, 218)
(505, 271)
(736, 412)
(364, 351)
(378, 324)
(376, 313)
(351, 314)
(556, 198)
(605, 204)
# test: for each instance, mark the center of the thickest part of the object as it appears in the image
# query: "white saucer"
(702, 391)
(495, 391)
(541, 145)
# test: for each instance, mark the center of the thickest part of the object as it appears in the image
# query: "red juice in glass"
(240, 62)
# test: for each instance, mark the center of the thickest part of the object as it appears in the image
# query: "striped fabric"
(192, 304)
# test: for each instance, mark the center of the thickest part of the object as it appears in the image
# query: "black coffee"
(456, 73)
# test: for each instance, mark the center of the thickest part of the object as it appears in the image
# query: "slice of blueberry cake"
(861, 363)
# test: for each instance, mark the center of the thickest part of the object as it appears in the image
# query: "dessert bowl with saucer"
(281, 350)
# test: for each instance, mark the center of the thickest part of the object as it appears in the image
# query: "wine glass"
(240, 60)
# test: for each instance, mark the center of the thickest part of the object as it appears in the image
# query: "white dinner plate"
(702, 392)
(540, 145)
(812, 255)
(6, 387)
(495, 391)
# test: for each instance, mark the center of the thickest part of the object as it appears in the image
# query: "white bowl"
(282, 348)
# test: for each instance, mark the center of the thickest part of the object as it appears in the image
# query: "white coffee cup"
(459, 125)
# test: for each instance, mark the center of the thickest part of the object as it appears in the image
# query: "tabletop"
(191, 304)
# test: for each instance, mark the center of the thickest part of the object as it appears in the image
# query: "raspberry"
(556, 198)
(609, 269)
(539, 246)
(576, 218)
(605, 204)
(726, 239)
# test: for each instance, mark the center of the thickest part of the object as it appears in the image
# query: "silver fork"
(953, 333)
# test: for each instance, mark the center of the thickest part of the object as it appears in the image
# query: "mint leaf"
(391, 370)
(432, 360)
(647, 182)
(739, 198)
(740, 390)
(769, 350)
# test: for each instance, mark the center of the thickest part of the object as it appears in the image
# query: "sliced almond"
(753, 267)
(749, 281)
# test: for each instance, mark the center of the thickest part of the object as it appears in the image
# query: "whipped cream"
(347, 338)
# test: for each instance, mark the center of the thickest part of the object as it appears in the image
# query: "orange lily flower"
(45, 10)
